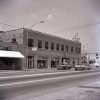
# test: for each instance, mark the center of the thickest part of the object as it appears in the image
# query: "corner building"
(42, 50)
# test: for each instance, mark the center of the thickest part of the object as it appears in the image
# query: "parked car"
(96, 65)
(82, 67)
(87, 67)
(64, 67)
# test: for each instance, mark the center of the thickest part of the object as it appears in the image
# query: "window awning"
(10, 54)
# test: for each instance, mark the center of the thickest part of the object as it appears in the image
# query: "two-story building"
(41, 50)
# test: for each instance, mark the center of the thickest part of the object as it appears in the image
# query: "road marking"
(21, 76)
(19, 83)
(30, 75)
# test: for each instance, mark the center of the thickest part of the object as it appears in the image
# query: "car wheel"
(75, 68)
(64, 68)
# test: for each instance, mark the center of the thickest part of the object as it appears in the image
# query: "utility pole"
(76, 37)
(27, 36)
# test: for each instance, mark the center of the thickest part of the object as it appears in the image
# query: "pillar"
(71, 61)
(35, 61)
(60, 60)
(49, 62)
(24, 63)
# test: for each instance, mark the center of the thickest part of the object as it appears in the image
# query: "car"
(64, 67)
(82, 67)
(79, 67)
(96, 65)
(87, 67)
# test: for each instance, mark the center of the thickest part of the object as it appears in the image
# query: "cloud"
(49, 17)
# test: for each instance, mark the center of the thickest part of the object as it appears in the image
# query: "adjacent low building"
(39, 49)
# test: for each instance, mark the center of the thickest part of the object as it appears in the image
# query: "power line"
(77, 27)
(9, 25)
(68, 29)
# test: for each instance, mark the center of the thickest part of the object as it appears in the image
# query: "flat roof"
(45, 34)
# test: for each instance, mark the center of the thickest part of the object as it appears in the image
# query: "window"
(57, 46)
(30, 42)
(14, 39)
(67, 48)
(71, 48)
(39, 44)
(62, 47)
(5, 48)
(79, 50)
(46, 45)
(76, 50)
(52, 46)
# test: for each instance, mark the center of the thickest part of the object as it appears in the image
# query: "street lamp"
(30, 27)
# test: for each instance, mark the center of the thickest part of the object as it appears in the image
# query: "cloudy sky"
(62, 18)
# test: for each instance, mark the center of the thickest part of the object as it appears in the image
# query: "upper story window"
(1, 39)
(39, 44)
(46, 45)
(52, 46)
(66, 48)
(79, 50)
(14, 39)
(72, 49)
(30, 42)
(57, 46)
(76, 50)
(62, 47)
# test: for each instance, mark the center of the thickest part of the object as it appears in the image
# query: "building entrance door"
(30, 62)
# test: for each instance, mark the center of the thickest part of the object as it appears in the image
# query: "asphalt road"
(19, 87)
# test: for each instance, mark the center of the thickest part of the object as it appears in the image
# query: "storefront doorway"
(30, 62)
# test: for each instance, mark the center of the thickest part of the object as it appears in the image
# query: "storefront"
(42, 62)
(54, 62)
(67, 60)
(10, 60)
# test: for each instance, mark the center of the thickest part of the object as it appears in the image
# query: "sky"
(63, 18)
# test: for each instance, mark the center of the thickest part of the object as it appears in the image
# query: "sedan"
(64, 67)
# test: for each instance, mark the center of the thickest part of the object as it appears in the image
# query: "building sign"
(34, 48)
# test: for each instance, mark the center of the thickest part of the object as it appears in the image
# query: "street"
(49, 49)
(20, 87)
